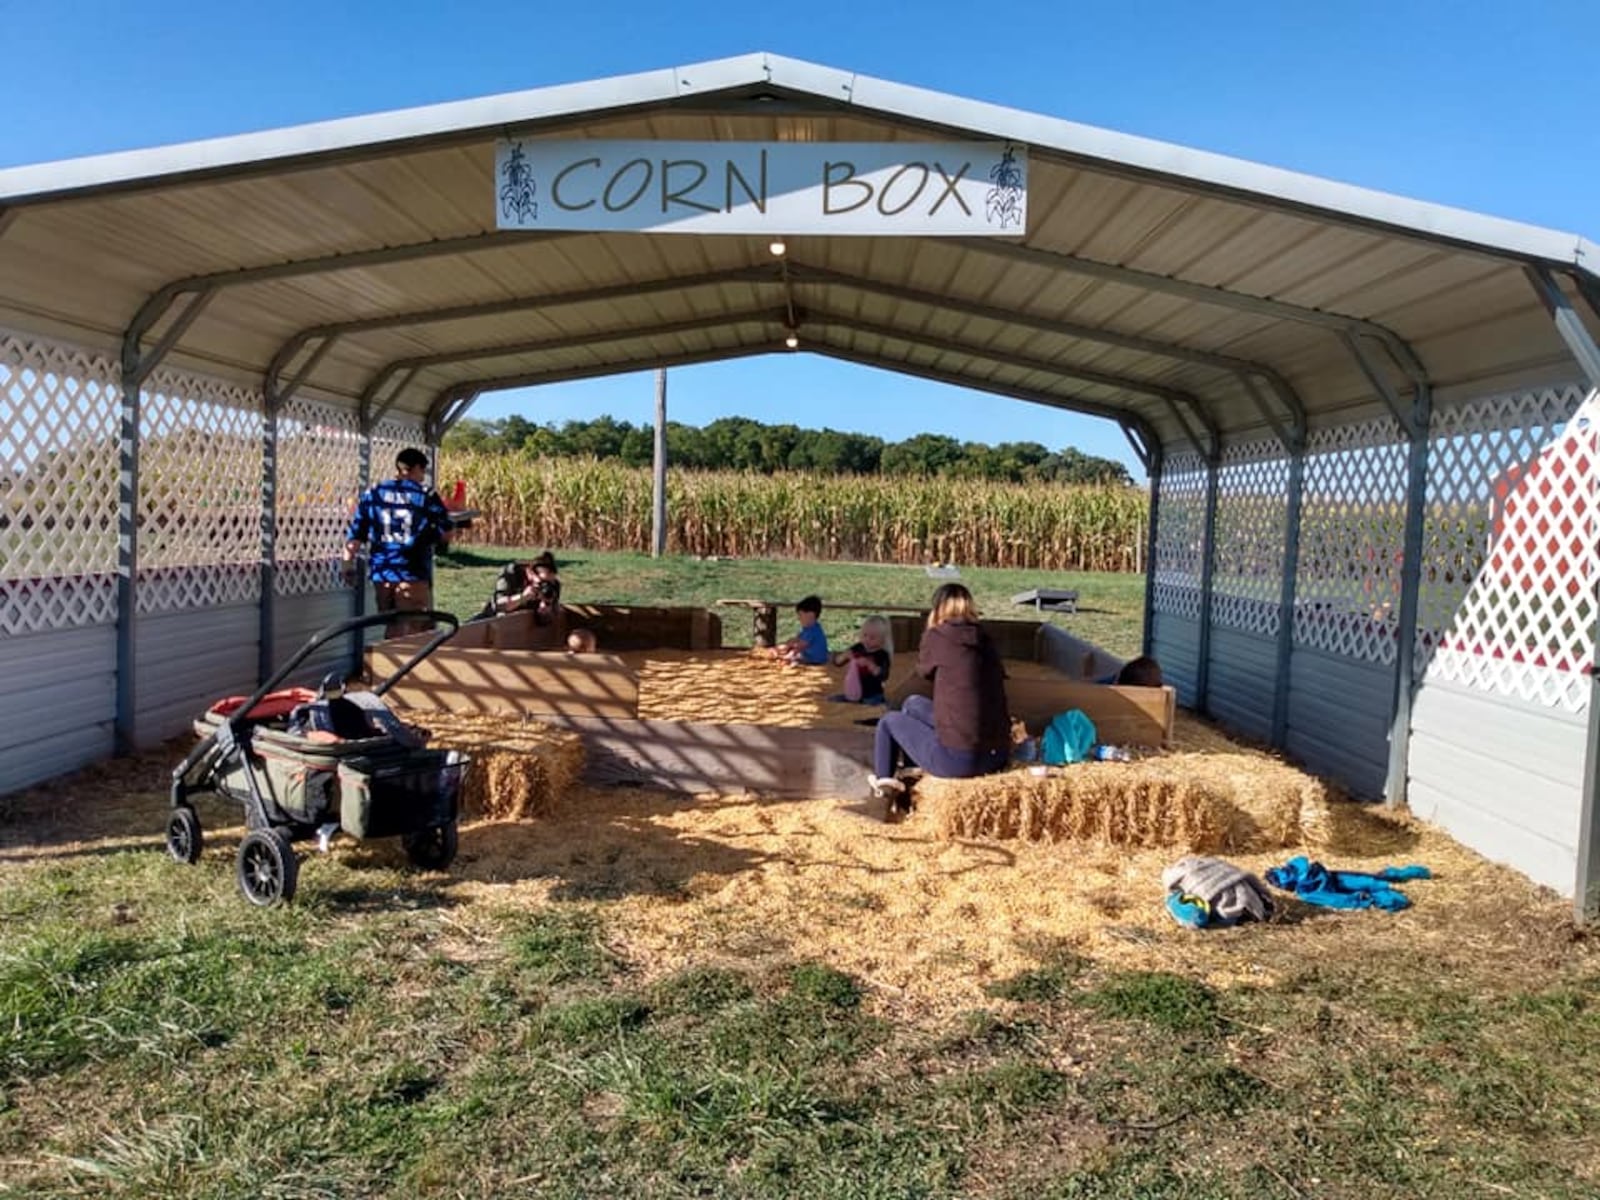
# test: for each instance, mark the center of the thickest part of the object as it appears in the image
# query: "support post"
(1586, 886)
(1410, 594)
(126, 733)
(1586, 882)
(1208, 566)
(359, 600)
(1296, 447)
(1568, 324)
(658, 510)
(267, 653)
(1148, 641)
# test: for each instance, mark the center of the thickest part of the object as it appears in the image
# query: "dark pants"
(908, 736)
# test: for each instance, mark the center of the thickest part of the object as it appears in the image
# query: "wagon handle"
(236, 719)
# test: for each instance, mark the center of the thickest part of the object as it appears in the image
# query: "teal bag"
(1068, 738)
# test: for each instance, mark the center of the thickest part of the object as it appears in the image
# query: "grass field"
(663, 997)
(1110, 611)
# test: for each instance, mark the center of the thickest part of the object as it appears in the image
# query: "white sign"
(776, 188)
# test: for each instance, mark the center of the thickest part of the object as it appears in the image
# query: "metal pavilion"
(1367, 420)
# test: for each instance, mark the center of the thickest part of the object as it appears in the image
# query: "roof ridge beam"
(1202, 293)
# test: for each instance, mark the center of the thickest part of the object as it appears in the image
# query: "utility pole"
(658, 514)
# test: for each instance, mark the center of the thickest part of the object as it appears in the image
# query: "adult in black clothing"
(524, 586)
(965, 730)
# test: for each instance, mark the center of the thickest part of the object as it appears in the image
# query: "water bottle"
(1112, 754)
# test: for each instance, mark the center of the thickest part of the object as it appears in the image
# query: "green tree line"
(740, 444)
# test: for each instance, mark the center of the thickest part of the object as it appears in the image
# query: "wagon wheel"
(183, 835)
(267, 867)
(433, 849)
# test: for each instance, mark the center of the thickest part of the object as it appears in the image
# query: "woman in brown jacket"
(965, 730)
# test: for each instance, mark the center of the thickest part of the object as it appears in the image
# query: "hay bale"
(1206, 794)
(1124, 804)
(519, 768)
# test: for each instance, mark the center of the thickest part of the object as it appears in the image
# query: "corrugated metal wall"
(1243, 681)
(296, 618)
(58, 693)
(1175, 644)
(1339, 711)
(185, 660)
(1501, 775)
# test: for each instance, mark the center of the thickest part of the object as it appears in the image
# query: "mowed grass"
(159, 1038)
(1110, 610)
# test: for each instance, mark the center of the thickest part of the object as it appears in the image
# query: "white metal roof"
(1153, 281)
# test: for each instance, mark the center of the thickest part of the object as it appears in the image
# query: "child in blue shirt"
(809, 647)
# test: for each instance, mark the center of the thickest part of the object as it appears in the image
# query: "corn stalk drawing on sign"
(912, 189)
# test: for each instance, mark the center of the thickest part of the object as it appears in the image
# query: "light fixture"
(778, 247)
(791, 339)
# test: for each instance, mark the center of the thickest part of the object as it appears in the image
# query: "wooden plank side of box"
(689, 756)
(469, 679)
(1122, 716)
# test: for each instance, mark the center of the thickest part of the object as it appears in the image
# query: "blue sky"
(1475, 103)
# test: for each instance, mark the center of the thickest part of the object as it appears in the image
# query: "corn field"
(606, 506)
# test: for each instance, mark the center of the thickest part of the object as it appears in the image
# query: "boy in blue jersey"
(809, 647)
(402, 520)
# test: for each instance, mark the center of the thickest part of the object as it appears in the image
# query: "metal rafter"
(564, 342)
(1090, 408)
(1201, 293)
(812, 319)
(500, 383)
(1568, 323)
(822, 317)
(1225, 363)
(584, 340)
(828, 350)
(157, 303)
(493, 308)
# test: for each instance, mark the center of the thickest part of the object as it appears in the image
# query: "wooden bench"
(1048, 599)
(764, 615)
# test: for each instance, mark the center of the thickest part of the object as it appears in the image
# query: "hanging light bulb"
(778, 247)
(791, 339)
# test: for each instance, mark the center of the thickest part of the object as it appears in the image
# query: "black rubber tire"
(434, 849)
(184, 840)
(267, 868)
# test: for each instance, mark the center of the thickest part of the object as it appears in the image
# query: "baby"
(866, 664)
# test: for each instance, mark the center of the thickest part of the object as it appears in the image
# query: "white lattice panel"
(318, 483)
(1352, 534)
(199, 493)
(1180, 536)
(59, 463)
(390, 436)
(1508, 602)
(1252, 511)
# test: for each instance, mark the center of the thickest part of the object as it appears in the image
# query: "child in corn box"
(809, 647)
(866, 664)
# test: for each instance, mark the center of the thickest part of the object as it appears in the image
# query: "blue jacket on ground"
(1316, 884)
